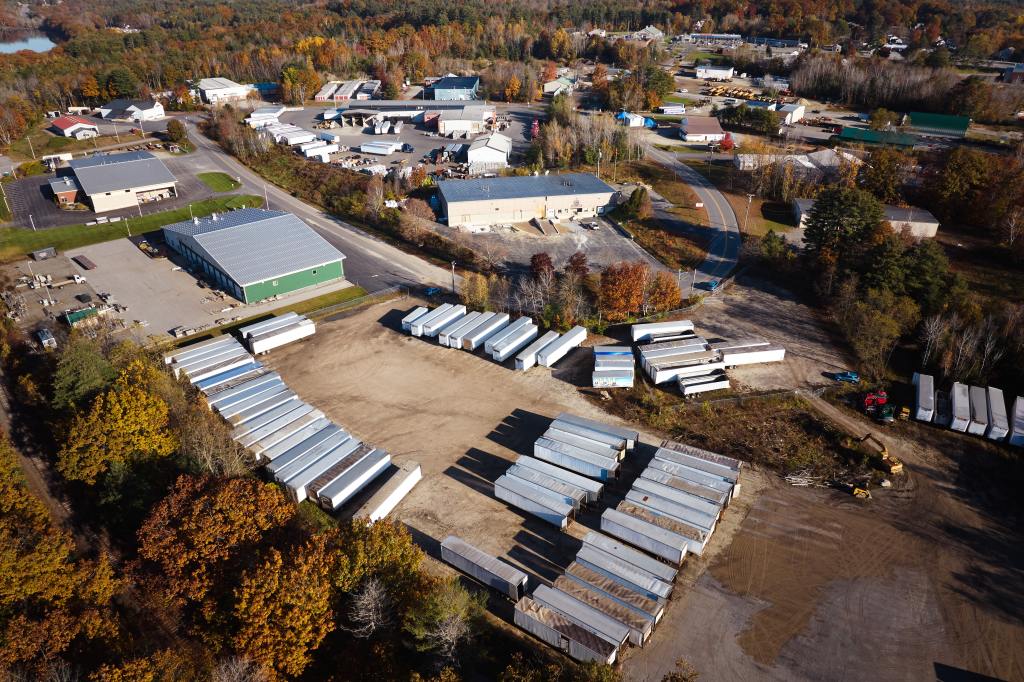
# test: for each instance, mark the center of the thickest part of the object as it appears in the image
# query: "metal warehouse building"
(518, 199)
(254, 254)
(114, 181)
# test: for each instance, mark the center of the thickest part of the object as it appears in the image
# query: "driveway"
(724, 247)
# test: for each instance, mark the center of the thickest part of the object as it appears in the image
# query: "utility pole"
(30, 147)
(453, 277)
(750, 198)
(679, 279)
(32, 221)
(266, 197)
(693, 281)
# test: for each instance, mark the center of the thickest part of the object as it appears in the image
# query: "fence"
(375, 297)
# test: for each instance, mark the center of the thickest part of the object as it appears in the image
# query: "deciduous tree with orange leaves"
(622, 289)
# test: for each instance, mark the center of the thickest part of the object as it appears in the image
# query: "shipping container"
(633, 557)
(545, 490)
(715, 383)
(528, 357)
(647, 536)
(233, 404)
(595, 446)
(331, 431)
(416, 313)
(456, 339)
(230, 378)
(514, 343)
(644, 332)
(196, 350)
(556, 350)
(998, 423)
(391, 493)
(341, 459)
(416, 326)
(219, 368)
(270, 324)
(512, 328)
(575, 459)
(268, 341)
(924, 392)
(337, 470)
(544, 505)
(355, 479)
(266, 405)
(717, 497)
(483, 331)
(444, 337)
(483, 567)
(209, 359)
(244, 390)
(1017, 424)
(640, 625)
(616, 378)
(592, 488)
(624, 573)
(569, 493)
(271, 452)
(660, 374)
(434, 326)
(286, 431)
(960, 398)
(555, 629)
(450, 326)
(619, 593)
(664, 507)
(610, 363)
(256, 429)
(733, 345)
(616, 443)
(729, 463)
(614, 351)
(979, 411)
(585, 616)
(283, 471)
(751, 356)
(703, 478)
(628, 435)
(696, 537)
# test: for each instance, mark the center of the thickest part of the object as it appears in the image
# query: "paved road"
(724, 248)
(370, 262)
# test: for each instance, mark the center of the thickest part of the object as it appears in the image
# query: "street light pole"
(453, 277)
(693, 281)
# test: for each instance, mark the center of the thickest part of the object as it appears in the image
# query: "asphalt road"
(724, 248)
(369, 262)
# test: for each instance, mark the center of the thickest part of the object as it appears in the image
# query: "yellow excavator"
(890, 464)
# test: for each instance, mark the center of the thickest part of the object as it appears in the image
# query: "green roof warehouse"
(255, 254)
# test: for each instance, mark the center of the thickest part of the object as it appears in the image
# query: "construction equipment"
(888, 463)
(904, 414)
(861, 492)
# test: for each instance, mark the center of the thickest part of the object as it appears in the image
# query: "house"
(488, 201)
(113, 181)
(455, 88)
(882, 137)
(488, 153)
(942, 125)
(218, 91)
(255, 254)
(74, 126)
(916, 222)
(561, 85)
(701, 129)
(791, 113)
(710, 72)
(466, 120)
(630, 120)
(137, 110)
(65, 189)
(597, 33)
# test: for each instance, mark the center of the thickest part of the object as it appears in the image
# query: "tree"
(89, 88)
(662, 292)
(474, 291)
(374, 197)
(126, 423)
(383, 550)
(371, 609)
(50, 602)
(121, 83)
(541, 263)
(283, 607)
(727, 144)
(840, 222)
(198, 537)
(957, 190)
(176, 131)
(684, 672)
(444, 618)
(512, 89)
(882, 119)
(876, 324)
(622, 289)
(577, 264)
(928, 280)
(882, 174)
(638, 205)
(238, 669)
(82, 372)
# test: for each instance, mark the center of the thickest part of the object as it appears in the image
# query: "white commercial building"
(467, 120)
(714, 73)
(791, 113)
(222, 90)
(132, 110)
(125, 180)
(489, 153)
(917, 222)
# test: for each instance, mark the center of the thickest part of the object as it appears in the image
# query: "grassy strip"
(675, 250)
(681, 99)
(16, 242)
(44, 142)
(219, 182)
(764, 215)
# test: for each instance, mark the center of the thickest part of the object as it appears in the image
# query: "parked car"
(846, 377)
(712, 285)
(431, 291)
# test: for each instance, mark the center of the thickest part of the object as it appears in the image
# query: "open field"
(219, 182)
(17, 242)
(986, 268)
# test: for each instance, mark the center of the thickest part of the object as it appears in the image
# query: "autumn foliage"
(622, 289)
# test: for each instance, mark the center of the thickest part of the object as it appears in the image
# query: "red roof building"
(75, 126)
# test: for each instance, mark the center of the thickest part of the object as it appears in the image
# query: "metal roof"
(66, 122)
(457, 83)
(495, 141)
(63, 183)
(217, 83)
(253, 245)
(522, 187)
(127, 170)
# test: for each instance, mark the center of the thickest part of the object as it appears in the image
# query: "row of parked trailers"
(671, 351)
(976, 410)
(262, 337)
(312, 457)
(500, 336)
(613, 367)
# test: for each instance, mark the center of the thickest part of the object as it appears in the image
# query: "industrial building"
(917, 222)
(701, 129)
(819, 164)
(864, 136)
(254, 254)
(488, 153)
(942, 125)
(455, 88)
(137, 110)
(74, 126)
(468, 120)
(113, 181)
(222, 91)
(519, 199)
(714, 73)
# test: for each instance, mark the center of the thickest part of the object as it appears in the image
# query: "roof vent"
(195, 221)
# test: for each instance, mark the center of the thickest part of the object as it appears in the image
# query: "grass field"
(219, 182)
(988, 269)
(16, 242)
(681, 99)
(764, 215)
(44, 142)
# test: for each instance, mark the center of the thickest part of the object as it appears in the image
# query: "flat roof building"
(125, 180)
(468, 120)
(882, 137)
(489, 201)
(221, 90)
(714, 73)
(456, 88)
(254, 254)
